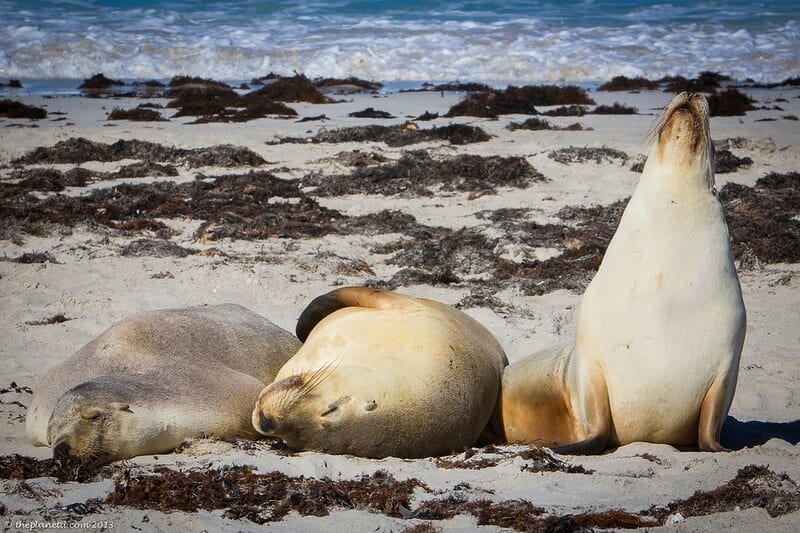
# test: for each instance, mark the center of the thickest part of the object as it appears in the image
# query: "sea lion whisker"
(655, 128)
(319, 376)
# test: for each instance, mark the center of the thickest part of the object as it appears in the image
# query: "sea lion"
(155, 379)
(660, 328)
(383, 374)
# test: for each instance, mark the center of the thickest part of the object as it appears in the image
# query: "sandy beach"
(453, 241)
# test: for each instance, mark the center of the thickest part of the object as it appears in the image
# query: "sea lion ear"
(90, 413)
(120, 406)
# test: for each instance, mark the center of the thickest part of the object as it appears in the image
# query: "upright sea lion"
(383, 374)
(157, 378)
(660, 327)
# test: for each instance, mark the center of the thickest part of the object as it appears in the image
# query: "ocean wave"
(153, 43)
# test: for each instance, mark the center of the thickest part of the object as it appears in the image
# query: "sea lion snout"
(264, 425)
(61, 451)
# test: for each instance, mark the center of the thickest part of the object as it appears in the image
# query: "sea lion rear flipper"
(324, 305)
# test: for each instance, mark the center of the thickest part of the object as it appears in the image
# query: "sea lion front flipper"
(712, 413)
(596, 415)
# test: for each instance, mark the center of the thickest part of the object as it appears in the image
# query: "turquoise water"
(398, 40)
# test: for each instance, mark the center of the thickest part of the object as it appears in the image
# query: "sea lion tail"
(324, 305)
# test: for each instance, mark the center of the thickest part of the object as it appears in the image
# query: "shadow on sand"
(737, 434)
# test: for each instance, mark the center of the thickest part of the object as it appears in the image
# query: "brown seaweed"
(55, 319)
(99, 83)
(261, 498)
(575, 154)
(542, 460)
(518, 100)
(567, 111)
(623, 83)
(615, 109)
(705, 82)
(753, 486)
(762, 220)
(13, 109)
(64, 469)
(538, 124)
(729, 103)
(370, 112)
(398, 135)
(138, 114)
(295, 89)
(80, 150)
(726, 162)
(416, 172)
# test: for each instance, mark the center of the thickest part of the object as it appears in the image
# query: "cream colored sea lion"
(660, 327)
(383, 374)
(157, 378)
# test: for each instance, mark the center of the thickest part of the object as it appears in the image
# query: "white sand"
(95, 286)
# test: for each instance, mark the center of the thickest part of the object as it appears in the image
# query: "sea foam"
(449, 41)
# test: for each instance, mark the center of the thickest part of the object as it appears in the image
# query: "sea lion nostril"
(265, 424)
(61, 451)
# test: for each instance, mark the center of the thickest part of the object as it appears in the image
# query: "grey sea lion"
(157, 378)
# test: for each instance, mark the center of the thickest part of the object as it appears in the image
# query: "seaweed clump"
(37, 258)
(615, 109)
(417, 171)
(371, 112)
(54, 180)
(214, 101)
(456, 86)
(398, 135)
(753, 486)
(521, 515)
(542, 460)
(574, 154)
(729, 103)
(470, 258)
(262, 498)
(762, 220)
(567, 111)
(520, 100)
(256, 205)
(55, 319)
(623, 83)
(13, 109)
(138, 114)
(98, 85)
(155, 248)
(538, 124)
(705, 82)
(726, 162)
(295, 89)
(80, 150)
(67, 468)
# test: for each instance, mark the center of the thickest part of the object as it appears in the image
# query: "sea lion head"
(90, 423)
(303, 408)
(682, 141)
